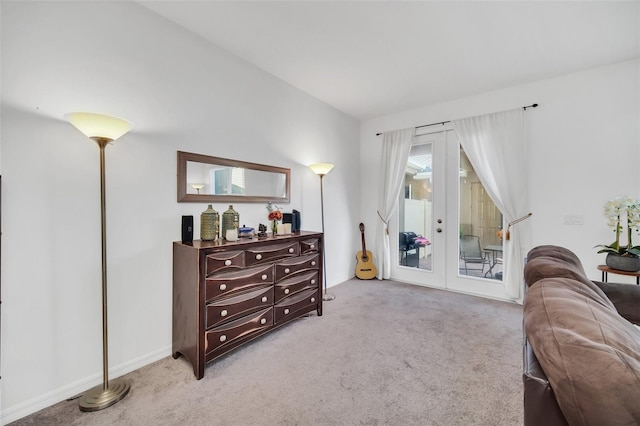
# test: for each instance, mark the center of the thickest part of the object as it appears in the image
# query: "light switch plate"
(574, 219)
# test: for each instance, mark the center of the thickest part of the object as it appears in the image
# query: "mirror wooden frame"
(183, 197)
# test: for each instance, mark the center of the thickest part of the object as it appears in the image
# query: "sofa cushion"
(556, 252)
(590, 354)
(548, 267)
(625, 297)
(545, 266)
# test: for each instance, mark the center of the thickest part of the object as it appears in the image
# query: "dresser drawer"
(309, 246)
(222, 260)
(293, 285)
(227, 284)
(294, 306)
(289, 267)
(229, 334)
(232, 308)
(263, 254)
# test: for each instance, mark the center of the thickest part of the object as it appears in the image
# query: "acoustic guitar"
(365, 269)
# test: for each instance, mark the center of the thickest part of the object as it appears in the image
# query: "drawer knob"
(223, 338)
(287, 270)
(264, 298)
(227, 262)
(291, 250)
(313, 263)
(223, 287)
(312, 246)
(264, 277)
(263, 321)
(223, 313)
(258, 256)
(313, 299)
(313, 281)
(286, 291)
(286, 311)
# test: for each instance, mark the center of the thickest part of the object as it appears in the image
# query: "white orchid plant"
(616, 210)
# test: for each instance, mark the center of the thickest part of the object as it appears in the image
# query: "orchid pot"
(622, 262)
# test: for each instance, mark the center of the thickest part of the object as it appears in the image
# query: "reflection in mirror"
(203, 178)
(222, 180)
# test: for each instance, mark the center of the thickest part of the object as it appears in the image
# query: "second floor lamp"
(321, 169)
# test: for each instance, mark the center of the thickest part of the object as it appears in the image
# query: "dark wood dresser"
(226, 294)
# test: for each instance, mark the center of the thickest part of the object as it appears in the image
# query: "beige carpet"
(383, 353)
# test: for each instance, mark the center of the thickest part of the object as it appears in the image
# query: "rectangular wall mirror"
(206, 179)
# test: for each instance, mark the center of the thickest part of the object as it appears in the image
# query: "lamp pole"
(326, 296)
(109, 392)
(102, 143)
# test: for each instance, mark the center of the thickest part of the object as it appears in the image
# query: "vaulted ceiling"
(372, 58)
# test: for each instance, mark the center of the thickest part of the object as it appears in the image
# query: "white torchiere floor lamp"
(321, 169)
(103, 129)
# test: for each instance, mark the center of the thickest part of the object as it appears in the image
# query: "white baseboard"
(21, 410)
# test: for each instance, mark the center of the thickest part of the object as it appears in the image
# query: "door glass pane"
(416, 209)
(480, 221)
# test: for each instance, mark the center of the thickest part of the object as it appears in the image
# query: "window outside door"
(446, 223)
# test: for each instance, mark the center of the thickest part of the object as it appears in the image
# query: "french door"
(443, 209)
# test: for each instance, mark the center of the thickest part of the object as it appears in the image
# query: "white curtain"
(495, 145)
(395, 153)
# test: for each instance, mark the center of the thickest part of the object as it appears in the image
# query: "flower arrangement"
(274, 216)
(615, 210)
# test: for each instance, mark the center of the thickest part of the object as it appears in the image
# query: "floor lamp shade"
(103, 129)
(99, 125)
(321, 169)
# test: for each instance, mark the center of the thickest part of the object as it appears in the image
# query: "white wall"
(583, 149)
(182, 94)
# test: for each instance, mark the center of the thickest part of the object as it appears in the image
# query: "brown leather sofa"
(581, 350)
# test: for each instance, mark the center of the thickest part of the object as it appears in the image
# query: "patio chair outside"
(471, 253)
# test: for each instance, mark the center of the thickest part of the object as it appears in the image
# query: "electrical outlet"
(574, 219)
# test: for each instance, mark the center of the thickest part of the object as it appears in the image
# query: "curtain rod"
(445, 122)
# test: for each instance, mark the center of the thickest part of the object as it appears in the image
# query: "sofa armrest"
(625, 297)
(540, 405)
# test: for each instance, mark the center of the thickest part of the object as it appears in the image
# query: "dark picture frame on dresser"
(226, 294)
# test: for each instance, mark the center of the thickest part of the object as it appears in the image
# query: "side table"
(496, 251)
(605, 270)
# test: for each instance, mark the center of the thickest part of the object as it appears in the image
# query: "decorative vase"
(230, 220)
(274, 227)
(623, 263)
(209, 224)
